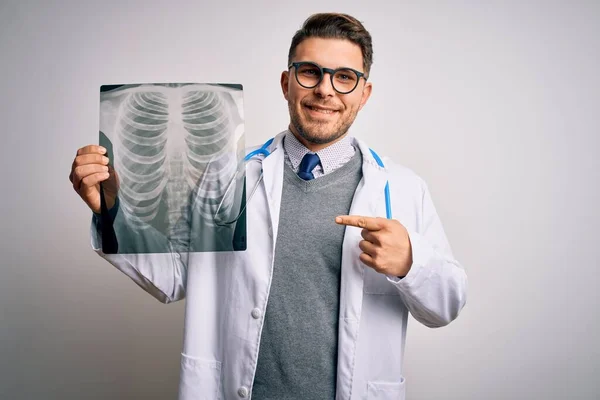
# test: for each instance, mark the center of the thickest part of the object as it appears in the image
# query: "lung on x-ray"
(177, 152)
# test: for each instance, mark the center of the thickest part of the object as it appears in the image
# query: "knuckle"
(88, 180)
(81, 171)
(375, 264)
(378, 261)
(371, 237)
(377, 253)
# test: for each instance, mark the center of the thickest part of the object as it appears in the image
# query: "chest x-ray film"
(177, 152)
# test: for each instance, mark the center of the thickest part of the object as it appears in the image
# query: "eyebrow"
(322, 66)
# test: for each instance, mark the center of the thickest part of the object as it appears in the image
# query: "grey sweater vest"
(298, 350)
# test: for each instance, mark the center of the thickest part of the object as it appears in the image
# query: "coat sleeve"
(435, 288)
(161, 273)
(159, 264)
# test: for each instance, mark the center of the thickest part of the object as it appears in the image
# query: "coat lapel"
(369, 201)
(272, 169)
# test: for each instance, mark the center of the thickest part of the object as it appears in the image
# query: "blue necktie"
(309, 162)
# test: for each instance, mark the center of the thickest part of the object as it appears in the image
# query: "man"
(317, 306)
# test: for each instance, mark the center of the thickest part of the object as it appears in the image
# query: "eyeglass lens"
(343, 80)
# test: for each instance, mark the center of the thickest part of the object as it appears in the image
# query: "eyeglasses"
(343, 80)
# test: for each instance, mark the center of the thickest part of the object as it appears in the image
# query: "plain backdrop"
(495, 104)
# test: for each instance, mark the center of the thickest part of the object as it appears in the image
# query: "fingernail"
(105, 168)
(102, 150)
(105, 159)
(338, 219)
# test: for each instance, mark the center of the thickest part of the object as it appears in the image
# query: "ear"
(285, 80)
(366, 93)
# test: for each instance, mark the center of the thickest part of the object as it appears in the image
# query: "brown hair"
(335, 26)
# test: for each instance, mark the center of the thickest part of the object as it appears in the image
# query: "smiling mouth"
(321, 110)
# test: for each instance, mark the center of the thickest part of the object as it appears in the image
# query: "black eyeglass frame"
(331, 73)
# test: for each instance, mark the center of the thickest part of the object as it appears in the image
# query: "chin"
(319, 135)
(316, 131)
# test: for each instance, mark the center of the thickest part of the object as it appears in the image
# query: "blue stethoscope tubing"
(388, 203)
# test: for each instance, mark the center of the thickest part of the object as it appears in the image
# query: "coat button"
(243, 391)
(256, 313)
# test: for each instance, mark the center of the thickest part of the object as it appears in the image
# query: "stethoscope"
(264, 151)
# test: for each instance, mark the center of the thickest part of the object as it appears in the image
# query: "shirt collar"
(331, 157)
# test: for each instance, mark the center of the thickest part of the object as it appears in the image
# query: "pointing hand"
(386, 245)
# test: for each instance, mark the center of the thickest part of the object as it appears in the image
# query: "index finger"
(369, 223)
(91, 149)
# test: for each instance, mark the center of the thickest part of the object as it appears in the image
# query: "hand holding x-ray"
(90, 174)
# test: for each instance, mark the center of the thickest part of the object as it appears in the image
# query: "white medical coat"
(227, 292)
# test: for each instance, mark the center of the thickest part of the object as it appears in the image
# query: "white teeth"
(321, 110)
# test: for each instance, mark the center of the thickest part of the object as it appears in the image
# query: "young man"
(316, 307)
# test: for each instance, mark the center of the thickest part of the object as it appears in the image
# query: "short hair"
(335, 26)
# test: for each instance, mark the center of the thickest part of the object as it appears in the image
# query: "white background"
(495, 104)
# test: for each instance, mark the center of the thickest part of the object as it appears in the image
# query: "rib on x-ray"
(177, 151)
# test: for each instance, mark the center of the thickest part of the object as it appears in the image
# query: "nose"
(324, 88)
